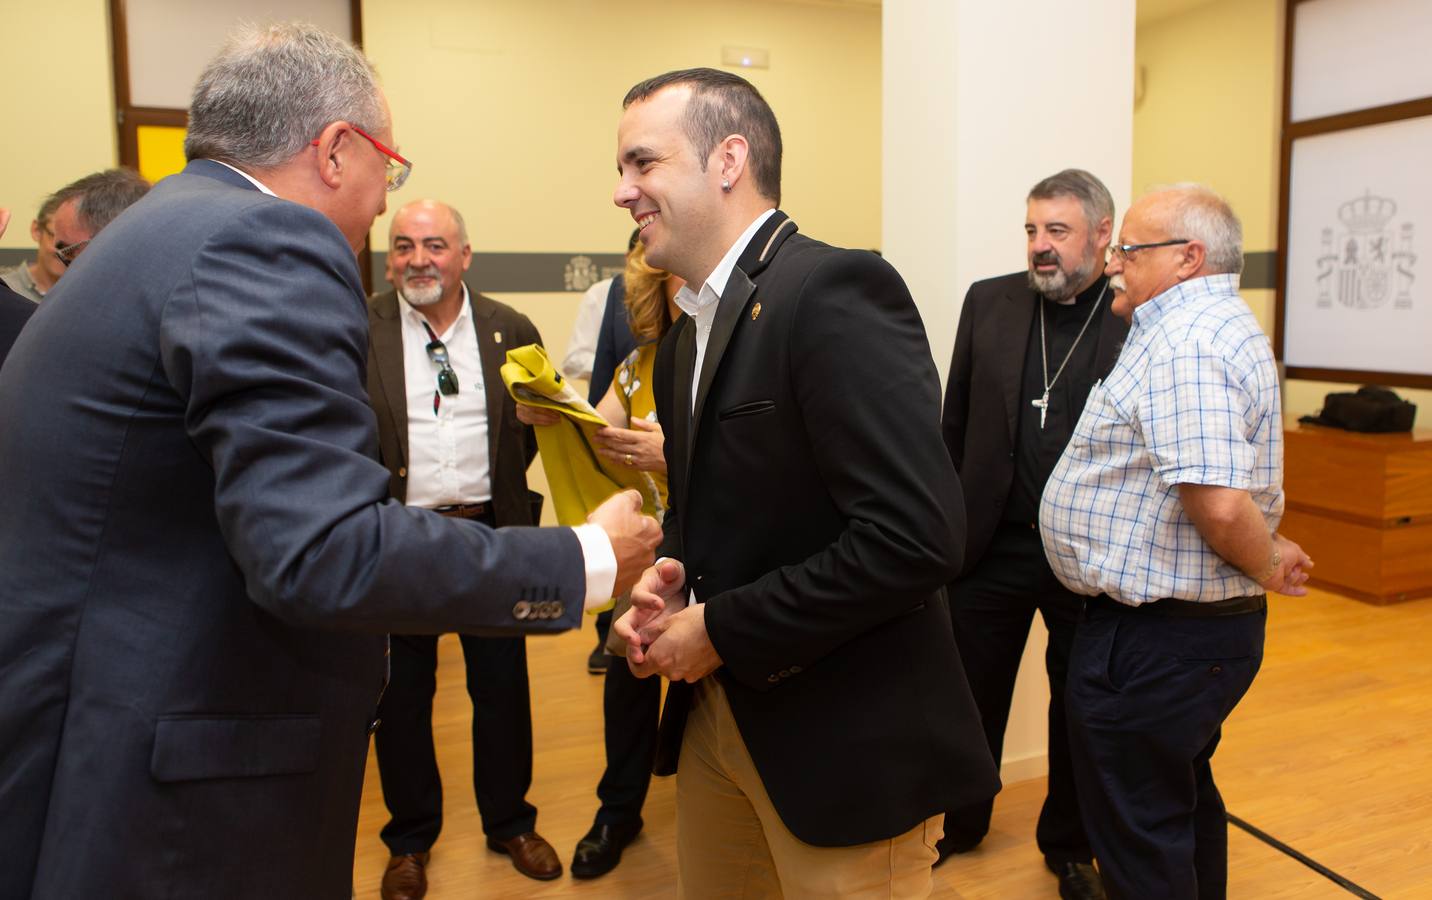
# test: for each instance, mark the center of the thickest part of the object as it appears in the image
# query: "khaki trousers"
(731, 843)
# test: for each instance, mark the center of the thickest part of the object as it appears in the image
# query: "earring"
(726, 185)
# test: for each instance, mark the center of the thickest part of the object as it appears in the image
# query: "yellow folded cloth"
(580, 478)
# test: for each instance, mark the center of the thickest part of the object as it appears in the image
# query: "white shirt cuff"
(601, 564)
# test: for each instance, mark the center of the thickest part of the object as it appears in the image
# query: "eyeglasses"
(66, 253)
(447, 378)
(398, 168)
(1124, 251)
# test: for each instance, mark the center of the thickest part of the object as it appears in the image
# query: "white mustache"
(1117, 283)
(424, 272)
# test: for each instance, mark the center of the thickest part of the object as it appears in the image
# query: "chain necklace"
(1043, 402)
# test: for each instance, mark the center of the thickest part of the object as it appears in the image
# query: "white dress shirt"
(447, 450)
(701, 306)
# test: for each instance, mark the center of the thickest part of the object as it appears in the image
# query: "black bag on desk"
(1370, 409)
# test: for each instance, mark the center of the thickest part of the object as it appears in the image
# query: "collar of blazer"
(759, 253)
(386, 339)
(219, 172)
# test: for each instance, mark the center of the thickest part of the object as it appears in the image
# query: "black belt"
(465, 510)
(1188, 609)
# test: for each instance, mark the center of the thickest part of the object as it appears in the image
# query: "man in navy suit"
(199, 558)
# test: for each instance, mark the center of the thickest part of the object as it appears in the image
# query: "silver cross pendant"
(1043, 404)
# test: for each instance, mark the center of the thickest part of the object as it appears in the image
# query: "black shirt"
(1036, 449)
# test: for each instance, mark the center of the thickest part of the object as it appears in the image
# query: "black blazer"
(982, 402)
(510, 444)
(818, 516)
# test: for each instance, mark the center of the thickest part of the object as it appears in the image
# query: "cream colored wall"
(1211, 108)
(56, 103)
(509, 108)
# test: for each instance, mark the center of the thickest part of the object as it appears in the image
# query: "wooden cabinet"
(1361, 506)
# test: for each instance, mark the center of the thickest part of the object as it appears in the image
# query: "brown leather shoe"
(531, 855)
(406, 877)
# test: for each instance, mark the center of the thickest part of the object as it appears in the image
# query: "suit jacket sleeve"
(869, 396)
(957, 390)
(266, 344)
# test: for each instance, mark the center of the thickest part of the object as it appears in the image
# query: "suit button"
(521, 610)
(402, 471)
(1011, 454)
(773, 679)
(795, 670)
(554, 609)
(785, 673)
(699, 577)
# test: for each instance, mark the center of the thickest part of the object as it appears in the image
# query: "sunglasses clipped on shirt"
(447, 378)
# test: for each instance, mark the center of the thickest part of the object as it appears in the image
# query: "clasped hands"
(664, 635)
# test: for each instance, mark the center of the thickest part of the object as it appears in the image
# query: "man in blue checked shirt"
(1163, 511)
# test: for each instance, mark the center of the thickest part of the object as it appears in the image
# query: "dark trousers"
(501, 740)
(631, 707)
(1148, 694)
(992, 609)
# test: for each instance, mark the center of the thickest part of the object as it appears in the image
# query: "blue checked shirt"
(1192, 399)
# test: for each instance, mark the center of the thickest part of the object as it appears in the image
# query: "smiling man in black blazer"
(814, 518)
(1029, 347)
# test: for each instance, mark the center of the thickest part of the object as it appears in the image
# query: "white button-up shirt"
(448, 449)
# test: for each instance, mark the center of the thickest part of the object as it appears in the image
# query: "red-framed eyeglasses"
(398, 168)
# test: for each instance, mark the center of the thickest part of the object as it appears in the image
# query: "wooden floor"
(1331, 752)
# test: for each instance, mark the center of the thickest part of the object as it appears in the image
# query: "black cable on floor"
(1313, 864)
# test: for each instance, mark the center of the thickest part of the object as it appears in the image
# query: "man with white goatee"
(448, 434)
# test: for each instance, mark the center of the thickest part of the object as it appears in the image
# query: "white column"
(980, 101)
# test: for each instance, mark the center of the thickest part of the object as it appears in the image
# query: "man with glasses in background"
(447, 431)
(68, 219)
(199, 555)
(1029, 347)
(1163, 510)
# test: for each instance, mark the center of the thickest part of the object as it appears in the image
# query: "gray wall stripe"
(520, 273)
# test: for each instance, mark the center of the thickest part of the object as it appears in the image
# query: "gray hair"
(1200, 214)
(99, 197)
(272, 89)
(1098, 203)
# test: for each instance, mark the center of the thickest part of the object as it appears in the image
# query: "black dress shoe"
(599, 660)
(1077, 881)
(599, 851)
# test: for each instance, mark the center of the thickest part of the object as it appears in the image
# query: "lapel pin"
(755, 311)
(497, 337)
